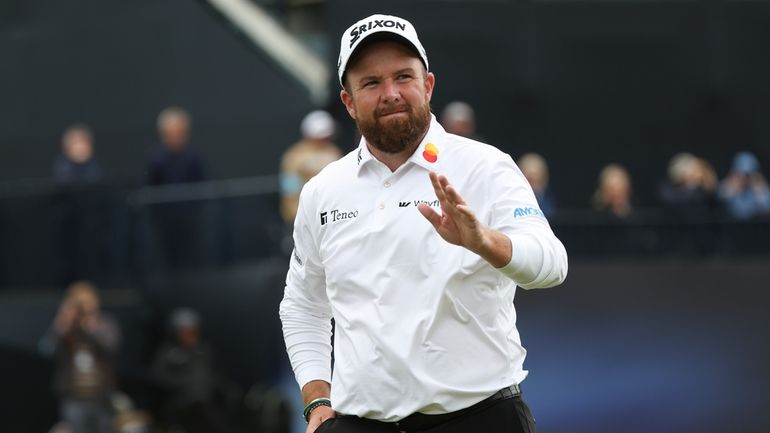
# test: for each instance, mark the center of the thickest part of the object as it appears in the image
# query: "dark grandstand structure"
(662, 323)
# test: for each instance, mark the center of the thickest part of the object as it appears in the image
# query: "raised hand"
(458, 224)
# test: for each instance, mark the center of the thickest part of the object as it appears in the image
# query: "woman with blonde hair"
(613, 194)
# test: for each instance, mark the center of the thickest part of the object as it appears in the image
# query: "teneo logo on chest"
(356, 32)
(337, 215)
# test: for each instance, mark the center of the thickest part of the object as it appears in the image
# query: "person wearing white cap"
(305, 158)
(459, 118)
(418, 273)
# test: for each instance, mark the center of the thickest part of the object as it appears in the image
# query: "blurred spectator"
(689, 197)
(306, 158)
(613, 195)
(174, 162)
(84, 340)
(76, 163)
(78, 220)
(744, 191)
(194, 398)
(707, 176)
(459, 118)
(535, 169)
(690, 188)
(617, 217)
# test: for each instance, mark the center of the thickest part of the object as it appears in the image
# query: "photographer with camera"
(84, 340)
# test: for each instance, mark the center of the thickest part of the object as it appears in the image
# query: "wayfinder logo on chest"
(337, 215)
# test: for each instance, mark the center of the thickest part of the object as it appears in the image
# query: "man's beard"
(399, 134)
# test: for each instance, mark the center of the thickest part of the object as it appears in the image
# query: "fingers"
(324, 414)
(438, 188)
(447, 195)
(432, 216)
(466, 212)
(453, 196)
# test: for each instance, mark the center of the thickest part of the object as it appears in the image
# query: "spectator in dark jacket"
(174, 162)
(194, 397)
(76, 163)
(78, 217)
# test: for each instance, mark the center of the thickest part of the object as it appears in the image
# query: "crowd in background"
(171, 161)
(192, 395)
(692, 185)
(692, 189)
(693, 193)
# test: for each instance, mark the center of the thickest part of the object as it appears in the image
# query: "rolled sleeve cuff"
(309, 374)
(534, 263)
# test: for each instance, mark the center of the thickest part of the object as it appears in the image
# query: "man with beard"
(418, 273)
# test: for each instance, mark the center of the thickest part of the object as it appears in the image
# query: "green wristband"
(314, 404)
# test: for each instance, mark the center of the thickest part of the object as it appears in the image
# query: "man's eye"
(403, 77)
(370, 83)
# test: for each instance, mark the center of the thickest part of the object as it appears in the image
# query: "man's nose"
(390, 91)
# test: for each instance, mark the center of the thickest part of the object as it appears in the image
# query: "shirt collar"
(427, 155)
(362, 154)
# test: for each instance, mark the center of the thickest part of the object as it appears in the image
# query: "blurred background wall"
(662, 325)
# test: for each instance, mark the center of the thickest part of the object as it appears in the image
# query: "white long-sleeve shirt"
(421, 325)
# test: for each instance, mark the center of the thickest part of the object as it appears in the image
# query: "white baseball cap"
(317, 124)
(382, 25)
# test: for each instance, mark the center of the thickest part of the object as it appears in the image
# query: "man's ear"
(348, 101)
(430, 82)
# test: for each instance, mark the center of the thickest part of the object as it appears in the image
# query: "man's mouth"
(391, 112)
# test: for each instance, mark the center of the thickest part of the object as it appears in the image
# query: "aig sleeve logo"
(527, 211)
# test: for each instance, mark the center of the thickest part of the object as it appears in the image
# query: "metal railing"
(117, 234)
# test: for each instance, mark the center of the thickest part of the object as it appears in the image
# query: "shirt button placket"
(386, 184)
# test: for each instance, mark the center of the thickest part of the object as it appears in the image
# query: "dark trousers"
(510, 415)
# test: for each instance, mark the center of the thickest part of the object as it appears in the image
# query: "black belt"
(420, 421)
